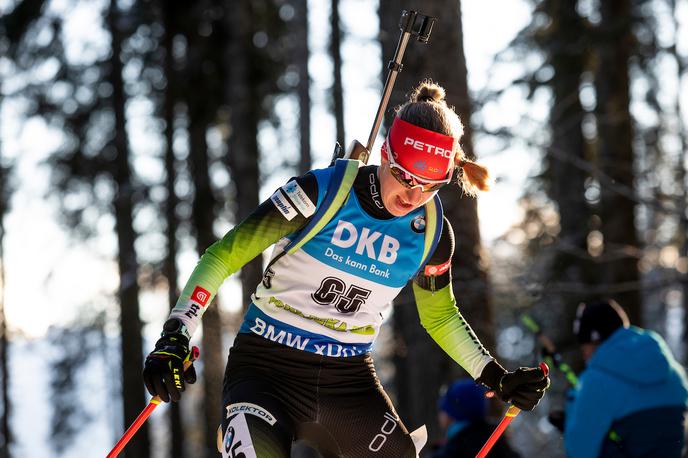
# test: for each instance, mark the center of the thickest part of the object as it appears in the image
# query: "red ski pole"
(145, 413)
(510, 414)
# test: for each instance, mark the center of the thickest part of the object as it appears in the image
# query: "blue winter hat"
(464, 400)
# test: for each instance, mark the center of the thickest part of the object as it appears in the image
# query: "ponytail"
(473, 177)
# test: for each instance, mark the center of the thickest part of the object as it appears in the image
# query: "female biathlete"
(301, 366)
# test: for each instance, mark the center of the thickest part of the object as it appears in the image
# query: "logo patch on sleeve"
(300, 198)
(283, 205)
(200, 296)
(438, 269)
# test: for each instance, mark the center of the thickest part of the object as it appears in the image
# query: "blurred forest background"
(160, 124)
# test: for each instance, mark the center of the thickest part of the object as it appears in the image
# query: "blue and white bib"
(330, 296)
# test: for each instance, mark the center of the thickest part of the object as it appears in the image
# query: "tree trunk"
(565, 44)
(682, 198)
(242, 154)
(132, 360)
(5, 431)
(170, 264)
(421, 366)
(203, 216)
(300, 25)
(335, 54)
(682, 230)
(621, 246)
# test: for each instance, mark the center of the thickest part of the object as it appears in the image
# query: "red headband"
(421, 151)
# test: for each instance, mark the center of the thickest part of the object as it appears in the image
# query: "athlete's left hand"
(523, 387)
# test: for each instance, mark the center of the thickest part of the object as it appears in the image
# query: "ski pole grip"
(545, 368)
(193, 356)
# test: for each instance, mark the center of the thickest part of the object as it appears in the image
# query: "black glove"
(163, 371)
(523, 387)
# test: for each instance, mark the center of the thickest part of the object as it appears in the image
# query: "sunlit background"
(53, 277)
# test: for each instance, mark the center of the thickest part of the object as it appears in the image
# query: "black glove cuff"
(175, 326)
(491, 375)
(177, 340)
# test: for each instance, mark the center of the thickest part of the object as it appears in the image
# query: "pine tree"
(615, 47)
(337, 91)
(169, 14)
(5, 430)
(299, 30)
(123, 206)
(13, 29)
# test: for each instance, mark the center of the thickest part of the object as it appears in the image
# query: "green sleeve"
(442, 320)
(264, 227)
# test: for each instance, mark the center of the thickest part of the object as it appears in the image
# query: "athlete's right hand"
(523, 387)
(163, 371)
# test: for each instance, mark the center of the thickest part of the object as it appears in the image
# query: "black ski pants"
(274, 394)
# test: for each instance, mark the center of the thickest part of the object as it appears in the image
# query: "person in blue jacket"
(631, 399)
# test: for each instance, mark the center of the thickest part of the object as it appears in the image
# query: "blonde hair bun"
(428, 91)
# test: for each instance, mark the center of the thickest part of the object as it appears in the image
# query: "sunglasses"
(410, 180)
